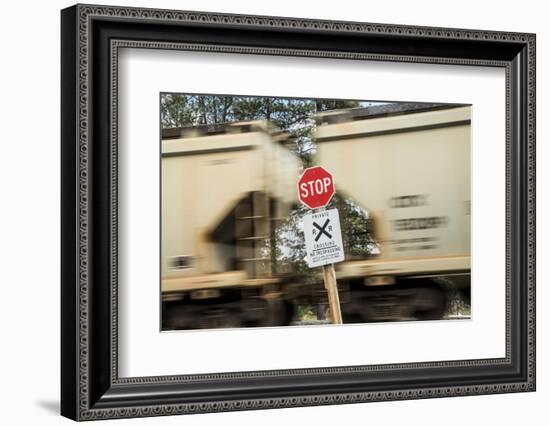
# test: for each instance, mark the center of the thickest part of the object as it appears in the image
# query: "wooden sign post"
(322, 232)
(332, 290)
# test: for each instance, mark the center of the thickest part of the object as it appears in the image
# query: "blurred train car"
(224, 189)
(408, 166)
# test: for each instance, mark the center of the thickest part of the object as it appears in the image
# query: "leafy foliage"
(288, 114)
(356, 237)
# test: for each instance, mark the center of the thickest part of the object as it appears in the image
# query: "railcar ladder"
(252, 233)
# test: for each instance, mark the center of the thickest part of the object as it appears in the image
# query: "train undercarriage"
(398, 299)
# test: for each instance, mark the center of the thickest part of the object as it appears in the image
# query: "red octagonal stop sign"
(315, 187)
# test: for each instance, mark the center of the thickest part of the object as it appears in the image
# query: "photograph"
(297, 212)
(268, 210)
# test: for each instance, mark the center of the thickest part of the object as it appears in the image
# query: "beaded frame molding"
(91, 37)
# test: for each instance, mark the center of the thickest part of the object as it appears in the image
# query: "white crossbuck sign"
(323, 238)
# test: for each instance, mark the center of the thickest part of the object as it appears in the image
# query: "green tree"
(177, 111)
(289, 114)
(355, 226)
(356, 235)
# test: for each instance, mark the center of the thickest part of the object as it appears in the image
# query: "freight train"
(228, 188)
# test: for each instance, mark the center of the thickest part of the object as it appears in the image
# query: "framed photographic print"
(263, 212)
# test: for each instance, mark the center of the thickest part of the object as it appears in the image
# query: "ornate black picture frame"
(91, 387)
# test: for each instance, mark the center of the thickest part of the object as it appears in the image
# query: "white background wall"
(29, 210)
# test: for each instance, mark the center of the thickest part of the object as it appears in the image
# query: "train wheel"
(218, 316)
(186, 316)
(429, 303)
(278, 313)
(176, 316)
(289, 311)
(355, 311)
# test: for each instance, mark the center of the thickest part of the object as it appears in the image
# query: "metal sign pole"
(332, 289)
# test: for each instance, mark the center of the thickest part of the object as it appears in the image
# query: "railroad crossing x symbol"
(322, 230)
